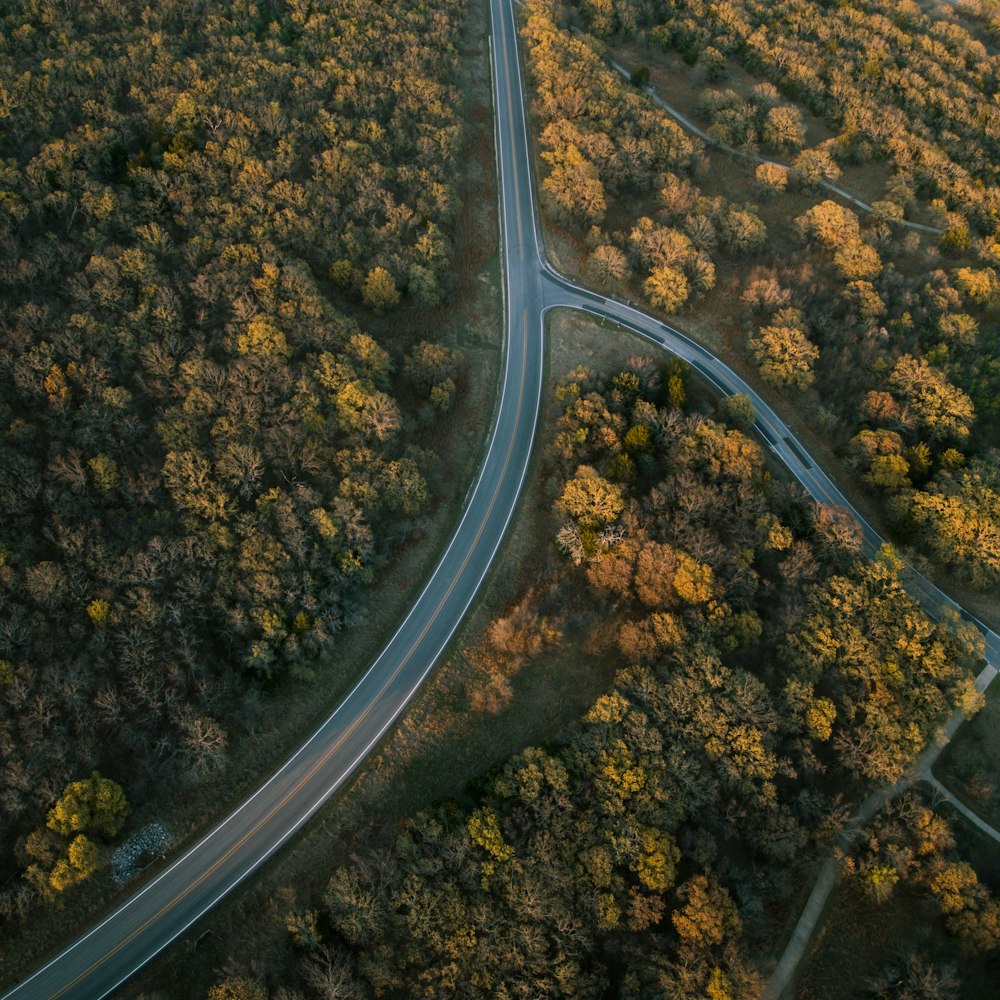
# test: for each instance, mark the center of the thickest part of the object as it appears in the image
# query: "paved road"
(106, 955)
(974, 818)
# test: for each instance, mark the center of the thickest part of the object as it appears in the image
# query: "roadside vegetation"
(228, 241)
(232, 390)
(912, 915)
(651, 846)
(883, 338)
(969, 766)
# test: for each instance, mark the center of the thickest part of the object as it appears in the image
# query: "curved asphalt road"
(106, 955)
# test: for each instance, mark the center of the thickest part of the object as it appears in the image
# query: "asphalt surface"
(111, 951)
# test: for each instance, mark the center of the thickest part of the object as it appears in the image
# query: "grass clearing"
(683, 87)
(979, 977)
(970, 767)
(858, 939)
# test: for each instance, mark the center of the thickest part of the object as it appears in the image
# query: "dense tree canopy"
(843, 303)
(899, 83)
(632, 853)
(204, 458)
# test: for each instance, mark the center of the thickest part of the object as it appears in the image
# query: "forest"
(768, 675)
(206, 458)
(885, 336)
(225, 230)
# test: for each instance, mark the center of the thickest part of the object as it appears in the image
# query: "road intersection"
(106, 955)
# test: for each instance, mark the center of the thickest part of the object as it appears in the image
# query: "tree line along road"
(107, 954)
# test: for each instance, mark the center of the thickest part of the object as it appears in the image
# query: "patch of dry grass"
(858, 939)
(970, 766)
(683, 86)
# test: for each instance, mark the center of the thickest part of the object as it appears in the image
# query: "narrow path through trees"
(111, 951)
(686, 122)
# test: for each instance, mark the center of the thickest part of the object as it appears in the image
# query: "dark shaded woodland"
(205, 458)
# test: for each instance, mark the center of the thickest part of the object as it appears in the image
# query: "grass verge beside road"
(442, 743)
(292, 710)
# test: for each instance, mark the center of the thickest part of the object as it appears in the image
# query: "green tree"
(640, 77)
(638, 440)
(739, 410)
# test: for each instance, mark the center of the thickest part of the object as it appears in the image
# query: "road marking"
(297, 788)
(553, 276)
(513, 132)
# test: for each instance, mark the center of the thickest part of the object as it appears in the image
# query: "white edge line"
(781, 429)
(282, 771)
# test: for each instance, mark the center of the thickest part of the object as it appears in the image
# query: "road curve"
(780, 438)
(107, 954)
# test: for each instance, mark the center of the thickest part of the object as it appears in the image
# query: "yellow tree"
(785, 356)
(591, 499)
(380, 292)
(573, 186)
(708, 916)
(667, 288)
(941, 408)
(80, 862)
(95, 804)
